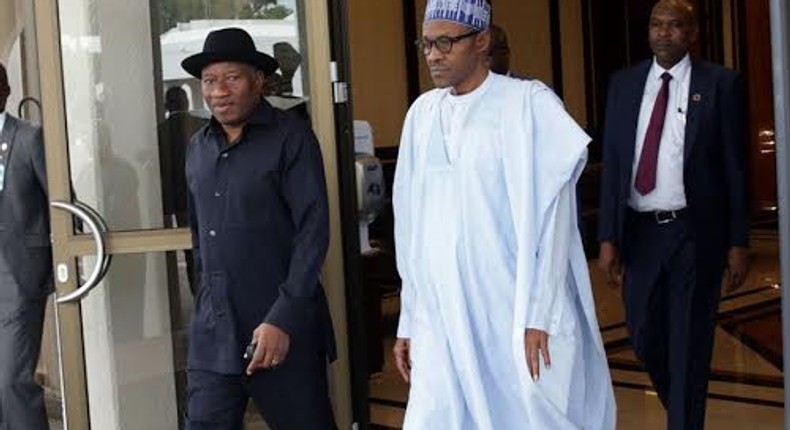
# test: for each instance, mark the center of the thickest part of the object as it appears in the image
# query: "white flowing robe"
(487, 246)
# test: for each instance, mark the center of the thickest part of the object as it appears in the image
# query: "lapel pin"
(696, 97)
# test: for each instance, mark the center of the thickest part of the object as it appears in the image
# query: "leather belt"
(660, 217)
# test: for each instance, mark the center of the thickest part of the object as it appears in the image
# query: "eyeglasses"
(443, 43)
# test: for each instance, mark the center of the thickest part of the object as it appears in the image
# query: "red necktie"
(648, 162)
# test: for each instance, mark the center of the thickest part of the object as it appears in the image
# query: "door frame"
(67, 245)
(356, 303)
(780, 32)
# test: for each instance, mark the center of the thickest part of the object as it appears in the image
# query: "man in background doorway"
(174, 135)
(497, 327)
(674, 206)
(25, 267)
(260, 225)
(499, 53)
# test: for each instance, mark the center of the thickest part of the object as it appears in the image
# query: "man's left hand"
(271, 349)
(737, 268)
(536, 345)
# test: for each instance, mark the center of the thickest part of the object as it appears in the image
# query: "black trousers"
(671, 301)
(293, 396)
(21, 398)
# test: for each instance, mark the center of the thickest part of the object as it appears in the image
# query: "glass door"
(117, 112)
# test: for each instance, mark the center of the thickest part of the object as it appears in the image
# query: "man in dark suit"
(25, 267)
(674, 207)
(260, 223)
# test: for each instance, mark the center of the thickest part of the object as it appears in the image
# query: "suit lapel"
(698, 95)
(633, 105)
(7, 137)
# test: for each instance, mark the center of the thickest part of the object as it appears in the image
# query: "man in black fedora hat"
(261, 327)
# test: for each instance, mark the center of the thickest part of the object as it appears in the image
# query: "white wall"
(10, 25)
(13, 63)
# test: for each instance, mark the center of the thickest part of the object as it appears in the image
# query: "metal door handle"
(96, 231)
(107, 260)
(25, 101)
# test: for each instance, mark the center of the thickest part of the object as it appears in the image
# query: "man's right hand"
(609, 263)
(272, 345)
(403, 358)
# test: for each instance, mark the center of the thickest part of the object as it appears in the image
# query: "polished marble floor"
(746, 386)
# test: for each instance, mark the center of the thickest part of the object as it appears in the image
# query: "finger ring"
(275, 362)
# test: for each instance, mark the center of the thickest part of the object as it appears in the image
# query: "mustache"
(663, 42)
(437, 66)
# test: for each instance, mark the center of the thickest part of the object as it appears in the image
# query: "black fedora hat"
(229, 44)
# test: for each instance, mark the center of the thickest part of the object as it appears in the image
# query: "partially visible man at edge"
(259, 220)
(497, 327)
(25, 267)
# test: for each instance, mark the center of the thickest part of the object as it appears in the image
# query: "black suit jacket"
(714, 176)
(25, 250)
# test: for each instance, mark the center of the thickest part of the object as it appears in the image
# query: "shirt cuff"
(289, 314)
(404, 325)
(404, 321)
(539, 319)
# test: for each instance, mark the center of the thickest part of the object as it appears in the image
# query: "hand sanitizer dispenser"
(371, 192)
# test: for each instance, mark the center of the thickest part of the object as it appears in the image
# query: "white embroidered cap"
(471, 13)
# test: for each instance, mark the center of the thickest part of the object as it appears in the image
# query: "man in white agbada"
(497, 328)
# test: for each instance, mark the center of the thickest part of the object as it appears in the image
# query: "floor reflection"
(746, 389)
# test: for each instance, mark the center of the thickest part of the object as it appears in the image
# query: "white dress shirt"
(669, 193)
(2, 120)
